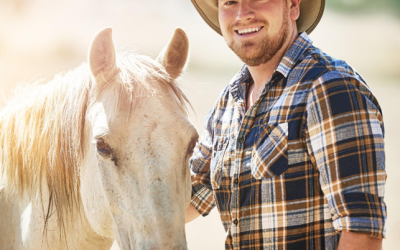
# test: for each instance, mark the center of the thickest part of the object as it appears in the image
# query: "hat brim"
(311, 12)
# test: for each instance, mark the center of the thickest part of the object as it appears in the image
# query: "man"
(293, 152)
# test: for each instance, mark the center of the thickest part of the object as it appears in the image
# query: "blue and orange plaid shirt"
(303, 163)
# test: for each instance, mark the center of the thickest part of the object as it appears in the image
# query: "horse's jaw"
(133, 235)
(151, 216)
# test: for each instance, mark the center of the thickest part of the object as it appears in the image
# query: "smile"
(248, 30)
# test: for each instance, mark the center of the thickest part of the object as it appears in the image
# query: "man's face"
(254, 29)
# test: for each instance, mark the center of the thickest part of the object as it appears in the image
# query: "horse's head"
(135, 181)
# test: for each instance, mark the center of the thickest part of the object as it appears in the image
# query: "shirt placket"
(240, 154)
(235, 228)
(248, 121)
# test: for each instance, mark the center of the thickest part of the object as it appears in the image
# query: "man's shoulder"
(315, 64)
(332, 74)
(234, 85)
(219, 104)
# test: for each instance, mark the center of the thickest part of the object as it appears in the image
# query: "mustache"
(240, 24)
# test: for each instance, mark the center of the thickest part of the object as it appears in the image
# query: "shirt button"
(241, 140)
(236, 181)
(235, 221)
(269, 130)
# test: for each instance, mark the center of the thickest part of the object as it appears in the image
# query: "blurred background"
(40, 38)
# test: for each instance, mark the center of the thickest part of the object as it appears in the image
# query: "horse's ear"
(174, 56)
(102, 58)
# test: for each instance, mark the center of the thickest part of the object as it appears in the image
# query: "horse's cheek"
(94, 201)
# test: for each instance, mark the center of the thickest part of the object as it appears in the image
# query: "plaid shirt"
(304, 162)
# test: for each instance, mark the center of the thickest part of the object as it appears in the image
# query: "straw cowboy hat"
(310, 14)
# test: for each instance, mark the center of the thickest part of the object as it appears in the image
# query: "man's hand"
(191, 213)
(356, 241)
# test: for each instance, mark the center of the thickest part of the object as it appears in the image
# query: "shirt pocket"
(269, 156)
(217, 161)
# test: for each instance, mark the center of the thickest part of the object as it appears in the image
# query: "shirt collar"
(295, 52)
(237, 85)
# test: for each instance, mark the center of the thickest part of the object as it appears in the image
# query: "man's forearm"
(356, 241)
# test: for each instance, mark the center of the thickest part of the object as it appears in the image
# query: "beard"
(263, 50)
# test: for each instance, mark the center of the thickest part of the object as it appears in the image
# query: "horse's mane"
(42, 128)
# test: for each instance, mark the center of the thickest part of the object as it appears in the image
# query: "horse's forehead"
(155, 112)
(99, 119)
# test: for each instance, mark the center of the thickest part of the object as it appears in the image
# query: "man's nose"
(245, 13)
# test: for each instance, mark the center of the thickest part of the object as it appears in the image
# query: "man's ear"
(294, 9)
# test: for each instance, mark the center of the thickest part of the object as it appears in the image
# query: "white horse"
(99, 154)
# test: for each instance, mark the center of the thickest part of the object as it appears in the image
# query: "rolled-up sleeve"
(344, 134)
(202, 195)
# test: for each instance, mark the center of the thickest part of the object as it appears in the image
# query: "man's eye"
(230, 2)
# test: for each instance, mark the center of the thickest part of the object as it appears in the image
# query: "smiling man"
(293, 151)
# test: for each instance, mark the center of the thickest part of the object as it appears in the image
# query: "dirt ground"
(40, 38)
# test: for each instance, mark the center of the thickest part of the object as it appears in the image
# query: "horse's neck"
(78, 233)
(27, 220)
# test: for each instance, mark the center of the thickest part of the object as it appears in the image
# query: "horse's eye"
(102, 148)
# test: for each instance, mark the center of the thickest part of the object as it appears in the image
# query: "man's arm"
(356, 241)
(344, 133)
(202, 201)
(191, 214)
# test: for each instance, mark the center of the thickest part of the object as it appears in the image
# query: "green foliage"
(364, 5)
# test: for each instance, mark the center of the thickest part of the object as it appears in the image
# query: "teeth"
(248, 30)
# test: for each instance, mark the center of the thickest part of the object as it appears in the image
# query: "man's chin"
(252, 62)
(252, 58)
(249, 53)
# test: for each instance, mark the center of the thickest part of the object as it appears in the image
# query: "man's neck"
(263, 72)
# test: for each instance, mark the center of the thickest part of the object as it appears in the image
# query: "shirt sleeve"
(344, 134)
(202, 194)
